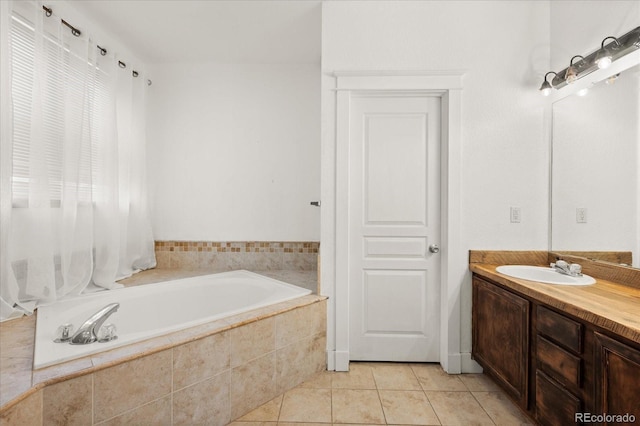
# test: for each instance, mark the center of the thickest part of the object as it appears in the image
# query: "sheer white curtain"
(73, 204)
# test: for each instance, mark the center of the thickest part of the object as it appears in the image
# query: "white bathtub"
(155, 309)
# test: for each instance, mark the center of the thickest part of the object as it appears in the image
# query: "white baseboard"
(469, 365)
(342, 360)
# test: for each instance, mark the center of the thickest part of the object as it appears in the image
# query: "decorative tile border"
(240, 246)
(217, 256)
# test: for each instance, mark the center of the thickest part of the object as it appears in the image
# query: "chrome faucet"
(573, 269)
(88, 332)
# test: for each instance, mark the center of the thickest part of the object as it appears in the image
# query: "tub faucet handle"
(107, 333)
(63, 334)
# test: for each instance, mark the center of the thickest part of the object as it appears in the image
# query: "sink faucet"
(88, 332)
(573, 270)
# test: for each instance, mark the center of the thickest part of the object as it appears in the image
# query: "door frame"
(453, 262)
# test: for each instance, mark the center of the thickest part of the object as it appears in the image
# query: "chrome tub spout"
(88, 332)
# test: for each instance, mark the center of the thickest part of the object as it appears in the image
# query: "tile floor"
(389, 393)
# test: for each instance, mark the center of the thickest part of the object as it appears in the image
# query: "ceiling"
(161, 31)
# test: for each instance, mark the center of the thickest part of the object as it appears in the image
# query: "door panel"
(391, 166)
(394, 215)
(395, 248)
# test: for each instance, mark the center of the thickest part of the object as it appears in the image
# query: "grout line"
(331, 401)
(483, 409)
(281, 405)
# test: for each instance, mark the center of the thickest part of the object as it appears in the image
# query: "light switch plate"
(515, 215)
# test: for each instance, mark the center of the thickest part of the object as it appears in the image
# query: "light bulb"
(571, 76)
(604, 62)
(546, 87)
(583, 92)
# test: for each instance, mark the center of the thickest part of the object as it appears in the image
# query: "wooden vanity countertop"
(612, 306)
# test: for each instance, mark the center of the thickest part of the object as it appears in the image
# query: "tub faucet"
(88, 332)
(573, 270)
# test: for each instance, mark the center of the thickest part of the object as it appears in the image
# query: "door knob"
(433, 248)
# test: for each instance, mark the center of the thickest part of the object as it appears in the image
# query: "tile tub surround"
(204, 372)
(225, 256)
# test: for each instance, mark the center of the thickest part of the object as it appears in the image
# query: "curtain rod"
(76, 32)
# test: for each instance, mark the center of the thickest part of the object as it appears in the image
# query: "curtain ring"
(103, 51)
(135, 73)
(122, 64)
(47, 11)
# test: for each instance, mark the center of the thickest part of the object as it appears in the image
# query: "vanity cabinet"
(501, 337)
(617, 377)
(552, 364)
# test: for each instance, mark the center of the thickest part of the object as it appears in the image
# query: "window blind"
(73, 100)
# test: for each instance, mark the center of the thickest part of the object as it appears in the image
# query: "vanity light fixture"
(603, 57)
(546, 87)
(571, 76)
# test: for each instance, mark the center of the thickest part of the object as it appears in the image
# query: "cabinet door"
(617, 378)
(554, 404)
(501, 336)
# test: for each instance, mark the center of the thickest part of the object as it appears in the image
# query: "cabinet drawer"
(554, 404)
(557, 362)
(560, 329)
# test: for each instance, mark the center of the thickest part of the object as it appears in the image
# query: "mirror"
(595, 177)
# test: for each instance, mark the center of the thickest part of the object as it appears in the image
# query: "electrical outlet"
(515, 215)
(581, 215)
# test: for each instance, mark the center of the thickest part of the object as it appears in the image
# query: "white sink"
(543, 274)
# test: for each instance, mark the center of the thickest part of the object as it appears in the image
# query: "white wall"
(504, 48)
(234, 152)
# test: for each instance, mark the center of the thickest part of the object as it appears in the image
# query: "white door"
(394, 220)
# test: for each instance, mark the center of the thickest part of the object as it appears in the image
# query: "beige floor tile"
(501, 409)
(458, 408)
(306, 405)
(399, 377)
(433, 378)
(266, 412)
(479, 383)
(358, 377)
(356, 406)
(239, 423)
(321, 380)
(303, 424)
(407, 408)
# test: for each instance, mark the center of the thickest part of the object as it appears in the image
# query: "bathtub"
(155, 309)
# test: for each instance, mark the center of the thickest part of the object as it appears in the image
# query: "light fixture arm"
(577, 56)
(607, 38)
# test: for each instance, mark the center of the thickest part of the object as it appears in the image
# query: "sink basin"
(543, 274)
